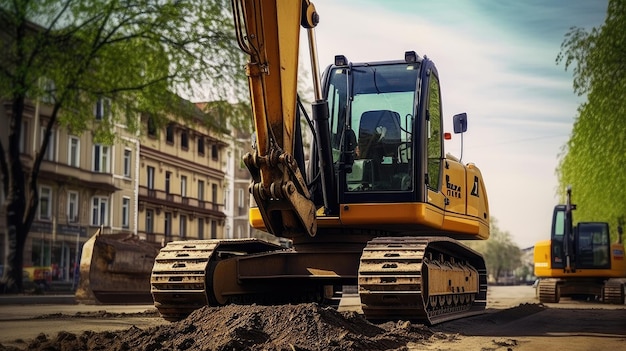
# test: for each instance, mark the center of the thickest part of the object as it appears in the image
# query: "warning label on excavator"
(618, 254)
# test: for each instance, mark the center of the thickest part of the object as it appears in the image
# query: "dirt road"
(513, 321)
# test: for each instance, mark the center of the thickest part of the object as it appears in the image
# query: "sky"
(496, 62)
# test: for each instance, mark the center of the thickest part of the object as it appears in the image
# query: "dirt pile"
(289, 327)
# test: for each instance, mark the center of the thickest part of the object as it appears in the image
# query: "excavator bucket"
(115, 269)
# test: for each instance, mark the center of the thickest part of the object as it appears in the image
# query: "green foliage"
(592, 161)
(134, 53)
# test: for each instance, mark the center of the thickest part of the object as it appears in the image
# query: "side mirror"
(460, 123)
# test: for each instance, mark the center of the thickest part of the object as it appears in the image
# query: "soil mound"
(304, 327)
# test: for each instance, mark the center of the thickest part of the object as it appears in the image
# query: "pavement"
(57, 293)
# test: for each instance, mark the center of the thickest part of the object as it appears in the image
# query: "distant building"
(181, 183)
(236, 184)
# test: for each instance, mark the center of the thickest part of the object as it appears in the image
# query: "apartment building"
(181, 182)
(159, 185)
(83, 187)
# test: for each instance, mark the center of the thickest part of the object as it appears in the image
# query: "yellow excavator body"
(376, 202)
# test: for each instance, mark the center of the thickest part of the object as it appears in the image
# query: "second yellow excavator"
(580, 260)
(376, 202)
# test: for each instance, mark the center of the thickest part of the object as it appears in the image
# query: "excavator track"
(548, 291)
(431, 279)
(180, 280)
(613, 291)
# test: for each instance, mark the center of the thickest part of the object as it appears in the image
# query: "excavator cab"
(381, 116)
(385, 125)
(589, 242)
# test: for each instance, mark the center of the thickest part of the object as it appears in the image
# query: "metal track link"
(390, 282)
(549, 291)
(613, 292)
(393, 281)
(179, 277)
(182, 278)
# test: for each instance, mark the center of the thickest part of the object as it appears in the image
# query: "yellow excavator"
(375, 203)
(579, 260)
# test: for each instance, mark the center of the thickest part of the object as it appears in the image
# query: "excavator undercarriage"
(431, 279)
(611, 290)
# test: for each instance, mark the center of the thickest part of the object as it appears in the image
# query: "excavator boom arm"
(269, 32)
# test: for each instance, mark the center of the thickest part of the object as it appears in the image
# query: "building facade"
(166, 185)
(83, 187)
(238, 181)
(181, 183)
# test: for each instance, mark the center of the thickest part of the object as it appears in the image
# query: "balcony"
(78, 176)
(175, 201)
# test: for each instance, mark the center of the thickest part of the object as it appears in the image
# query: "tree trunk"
(16, 219)
(15, 257)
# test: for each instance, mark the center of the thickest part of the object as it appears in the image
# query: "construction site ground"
(514, 320)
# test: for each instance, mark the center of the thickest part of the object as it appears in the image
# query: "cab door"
(558, 237)
(434, 141)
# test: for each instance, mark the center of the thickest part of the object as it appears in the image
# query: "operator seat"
(379, 138)
(379, 135)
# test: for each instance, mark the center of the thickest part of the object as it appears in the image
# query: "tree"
(592, 161)
(501, 254)
(71, 53)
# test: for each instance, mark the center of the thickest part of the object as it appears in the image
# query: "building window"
(24, 137)
(72, 206)
(49, 90)
(182, 226)
(51, 147)
(168, 177)
(149, 221)
(152, 130)
(240, 198)
(215, 152)
(99, 211)
(150, 175)
(102, 110)
(168, 225)
(183, 186)
(45, 203)
(214, 194)
(200, 190)
(101, 158)
(127, 162)
(213, 229)
(169, 133)
(125, 212)
(73, 152)
(200, 145)
(200, 228)
(184, 140)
